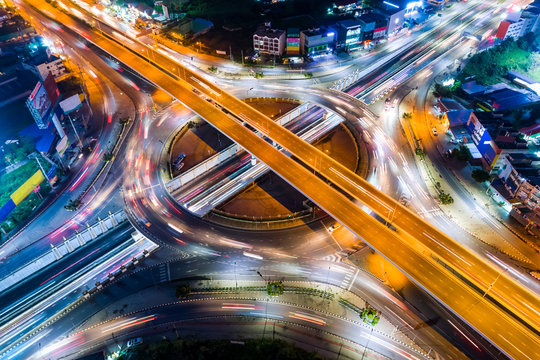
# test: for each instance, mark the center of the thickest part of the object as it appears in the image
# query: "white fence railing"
(66, 247)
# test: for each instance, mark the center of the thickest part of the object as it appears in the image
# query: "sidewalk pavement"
(489, 234)
(58, 219)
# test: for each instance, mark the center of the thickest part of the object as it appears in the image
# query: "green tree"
(480, 175)
(108, 156)
(124, 120)
(371, 3)
(19, 150)
(462, 153)
(274, 288)
(212, 69)
(445, 198)
(73, 205)
(443, 91)
(491, 66)
(183, 291)
(370, 315)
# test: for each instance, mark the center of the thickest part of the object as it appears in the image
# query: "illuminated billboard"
(39, 105)
(41, 101)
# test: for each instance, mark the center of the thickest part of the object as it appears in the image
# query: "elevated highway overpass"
(490, 301)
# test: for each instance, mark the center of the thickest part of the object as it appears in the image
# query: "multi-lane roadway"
(291, 171)
(329, 169)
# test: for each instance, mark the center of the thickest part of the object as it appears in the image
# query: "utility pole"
(33, 155)
(235, 278)
(85, 92)
(74, 129)
(367, 342)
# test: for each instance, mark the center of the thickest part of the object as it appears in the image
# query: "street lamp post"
(74, 129)
(34, 156)
(235, 278)
(367, 342)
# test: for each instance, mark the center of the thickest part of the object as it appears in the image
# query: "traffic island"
(265, 201)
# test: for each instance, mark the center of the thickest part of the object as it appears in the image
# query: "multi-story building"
(349, 35)
(316, 42)
(269, 41)
(55, 66)
(293, 41)
(374, 26)
(532, 14)
(519, 23)
(394, 13)
(510, 29)
(517, 188)
(485, 144)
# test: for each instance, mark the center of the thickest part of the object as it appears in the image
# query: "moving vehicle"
(334, 227)
(435, 133)
(179, 159)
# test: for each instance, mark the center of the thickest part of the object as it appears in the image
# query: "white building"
(55, 67)
(269, 41)
(519, 23)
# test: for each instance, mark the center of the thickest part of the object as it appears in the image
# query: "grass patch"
(11, 182)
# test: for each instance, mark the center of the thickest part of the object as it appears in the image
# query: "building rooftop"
(271, 33)
(16, 86)
(458, 117)
(43, 138)
(293, 32)
(375, 17)
(532, 130)
(316, 31)
(500, 187)
(447, 104)
(473, 88)
(505, 99)
(349, 23)
(514, 157)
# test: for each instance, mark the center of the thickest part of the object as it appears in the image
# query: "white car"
(435, 133)
(334, 227)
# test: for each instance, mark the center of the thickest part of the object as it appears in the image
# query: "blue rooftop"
(43, 138)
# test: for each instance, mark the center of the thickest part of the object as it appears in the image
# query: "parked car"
(435, 133)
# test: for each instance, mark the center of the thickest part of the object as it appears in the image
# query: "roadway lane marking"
(361, 189)
(353, 280)
(446, 248)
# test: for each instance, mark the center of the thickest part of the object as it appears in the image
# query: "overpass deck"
(422, 252)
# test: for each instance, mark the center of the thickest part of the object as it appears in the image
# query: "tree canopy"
(490, 66)
(188, 349)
